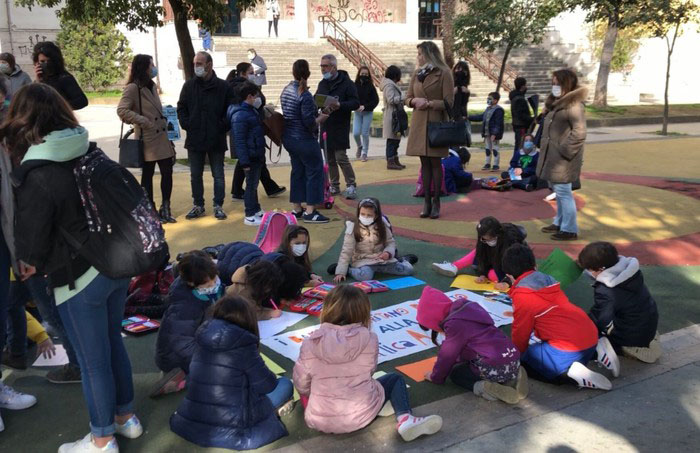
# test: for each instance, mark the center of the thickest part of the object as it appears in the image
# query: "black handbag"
(131, 149)
(399, 121)
(447, 133)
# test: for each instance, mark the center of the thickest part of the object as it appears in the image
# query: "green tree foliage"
(506, 24)
(97, 54)
(626, 45)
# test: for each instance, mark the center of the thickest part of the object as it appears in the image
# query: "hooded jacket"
(455, 176)
(519, 109)
(542, 308)
(226, 405)
(367, 250)
(48, 199)
(248, 134)
(493, 121)
(623, 309)
(469, 334)
(391, 93)
(338, 123)
(17, 80)
(201, 111)
(367, 94)
(235, 255)
(334, 370)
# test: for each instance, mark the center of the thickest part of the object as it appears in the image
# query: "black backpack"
(399, 121)
(126, 237)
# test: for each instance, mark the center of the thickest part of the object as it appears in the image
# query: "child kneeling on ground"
(623, 310)
(476, 355)
(335, 368)
(523, 166)
(233, 400)
(568, 339)
(369, 246)
(457, 180)
(191, 295)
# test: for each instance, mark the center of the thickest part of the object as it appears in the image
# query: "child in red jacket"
(568, 339)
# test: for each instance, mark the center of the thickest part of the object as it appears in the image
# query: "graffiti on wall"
(260, 11)
(362, 11)
(27, 45)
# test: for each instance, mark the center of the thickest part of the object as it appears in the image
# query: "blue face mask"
(327, 75)
(154, 72)
(528, 145)
(489, 101)
(211, 291)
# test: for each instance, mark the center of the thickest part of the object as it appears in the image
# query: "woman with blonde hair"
(430, 92)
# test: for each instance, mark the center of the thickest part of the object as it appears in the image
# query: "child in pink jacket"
(335, 368)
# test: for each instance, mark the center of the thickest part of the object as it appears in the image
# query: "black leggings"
(274, 21)
(166, 177)
(431, 171)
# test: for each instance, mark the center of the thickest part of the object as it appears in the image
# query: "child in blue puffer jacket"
(249, 137)
(233, 400)
(457, 180)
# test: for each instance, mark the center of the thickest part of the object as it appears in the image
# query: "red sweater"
(540, 306)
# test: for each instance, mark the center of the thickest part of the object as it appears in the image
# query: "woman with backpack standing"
(44, 139)
(140, 105)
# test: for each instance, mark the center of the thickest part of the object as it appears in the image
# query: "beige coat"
(561, 150)
(367, 251)
(149, 124)
(391, 93)
(437, 87)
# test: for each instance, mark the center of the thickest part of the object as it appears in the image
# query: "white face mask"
(212, 289)
(257, 103)
(251, 78)
(491, 243)
(298, 249)
(556, 90)
(199, 71)
(5, 68)
(366, 221)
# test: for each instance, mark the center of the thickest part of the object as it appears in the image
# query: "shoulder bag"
(131, 149)
(447, 133)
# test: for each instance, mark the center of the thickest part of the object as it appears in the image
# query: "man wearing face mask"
(520, 111)
(337, 84)
(259, 68)
(201, 110)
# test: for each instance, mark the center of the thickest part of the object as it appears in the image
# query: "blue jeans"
(4, 289)
(250, 196)
(216, 162)
(367, 272)
(392, 147)
(93, 321)
(307, 171)
(34, 288)
(395, 391)
(360, 129)
(282, 393)
(566, 208)
(551, 362)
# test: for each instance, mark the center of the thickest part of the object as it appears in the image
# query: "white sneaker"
(552, 196)
(587, 378)
(445, 268)
(480, 390)
(14, 400)
(131, 429)
(253, 221)
(607, 356)
(410, 427)
(85, 445)
(260, 213)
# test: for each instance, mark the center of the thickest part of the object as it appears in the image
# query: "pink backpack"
(270, 231)
(420, 190)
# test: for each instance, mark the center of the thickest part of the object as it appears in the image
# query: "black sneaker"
(410, 257)
(486, 167)
(495, 168)
(195, 212)
(219, 213)
(277, 192)
(13, 361)
(331, 268)
(564, 236)
(299, 215)
(67, 374)
(315, 217)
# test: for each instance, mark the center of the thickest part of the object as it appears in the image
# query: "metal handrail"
(352, 48)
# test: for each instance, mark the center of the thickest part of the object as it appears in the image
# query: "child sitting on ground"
(475, 354)
(523, 166)
(456, 179)
(568, 339)
(233, 400)
(258, 283)
(492, 129)
(623, 310)
(191, 295)
(493, 238)
(295, 244)
(369, 246)
(335, 368)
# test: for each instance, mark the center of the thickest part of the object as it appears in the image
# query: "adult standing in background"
(364, 114)
(561, 153)
(430, 88)
(50, 69)
(520, 111)
(15, 76)
(338, 85)
(393, 99)
(201, 111)
(140, 105)
(301, 118)
(272, 13)
(259, 68)
(462, 79)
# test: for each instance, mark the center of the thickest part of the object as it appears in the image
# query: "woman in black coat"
(50, 69)
(369, 99)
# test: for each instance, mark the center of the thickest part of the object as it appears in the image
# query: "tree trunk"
(601, 85)
(503, 66)
(669, 46)
(447, 15)
(184, 39)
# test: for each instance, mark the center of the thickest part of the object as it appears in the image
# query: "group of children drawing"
(209, 335)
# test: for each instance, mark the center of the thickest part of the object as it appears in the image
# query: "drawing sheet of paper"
(271, 365)
(59, 359)
(502, 314)
(469, 282)
(404, 282)
(272, 327)
(560, 266)
(417, 370)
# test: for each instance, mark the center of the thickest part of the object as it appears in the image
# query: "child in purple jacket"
(475, 353)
